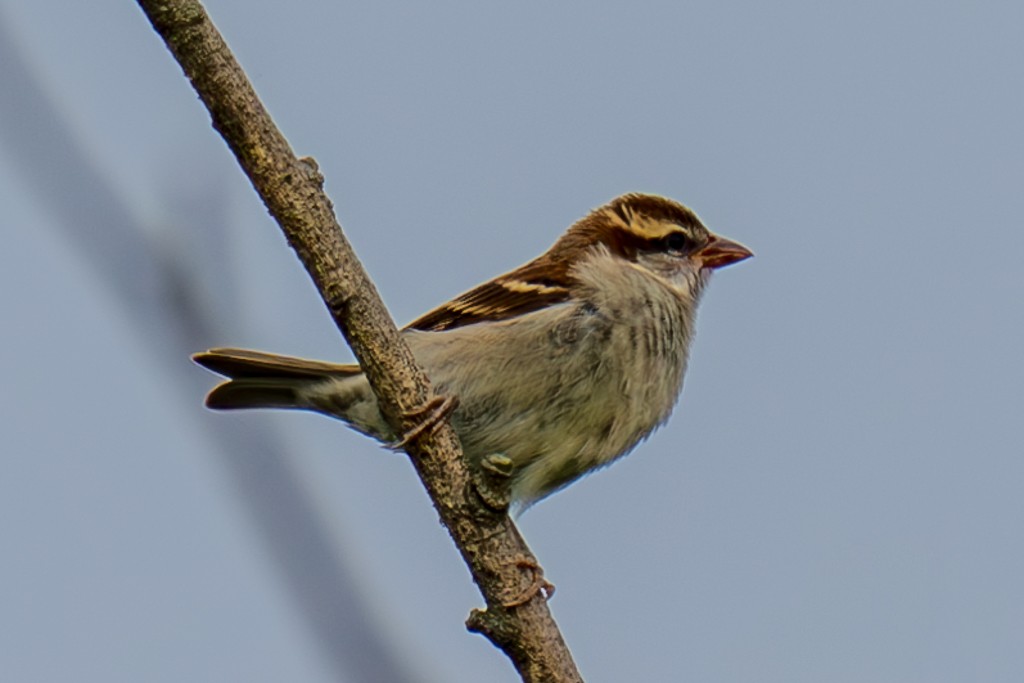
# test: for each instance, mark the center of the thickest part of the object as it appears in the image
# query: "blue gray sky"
(838, 496)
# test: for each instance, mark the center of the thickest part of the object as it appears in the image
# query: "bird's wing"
(528, 288)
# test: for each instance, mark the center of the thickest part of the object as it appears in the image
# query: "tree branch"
(291, 189)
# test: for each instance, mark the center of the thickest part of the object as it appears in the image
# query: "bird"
(559, 367)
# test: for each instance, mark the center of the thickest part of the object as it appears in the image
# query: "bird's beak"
(721, 252)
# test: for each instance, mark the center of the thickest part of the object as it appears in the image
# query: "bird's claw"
(538, 584)
(427, 418)
(492, 481)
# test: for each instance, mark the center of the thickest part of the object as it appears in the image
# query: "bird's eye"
(675, 241)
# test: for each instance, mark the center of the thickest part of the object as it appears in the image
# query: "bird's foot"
(426, 419)
(538, 584)
(491, 481)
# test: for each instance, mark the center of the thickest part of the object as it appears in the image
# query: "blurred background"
(837, 498)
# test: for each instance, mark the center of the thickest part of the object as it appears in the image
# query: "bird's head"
(653, 232)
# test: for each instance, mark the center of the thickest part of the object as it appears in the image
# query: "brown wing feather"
(541, 282)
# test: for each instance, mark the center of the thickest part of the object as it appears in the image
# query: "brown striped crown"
(627, 225)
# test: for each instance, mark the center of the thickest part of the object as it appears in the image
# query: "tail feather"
(254, 393)
(236, 363)
(264, 380)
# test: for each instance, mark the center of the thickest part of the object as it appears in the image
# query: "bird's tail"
(265, 380)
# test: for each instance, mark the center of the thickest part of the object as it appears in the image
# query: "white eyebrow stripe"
(649, 228)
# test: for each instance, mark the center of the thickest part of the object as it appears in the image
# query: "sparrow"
(559, 367)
